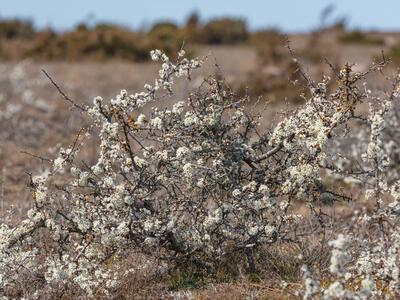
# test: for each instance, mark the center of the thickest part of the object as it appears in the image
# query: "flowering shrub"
(365, 262)
(198, 182)
(362, 267)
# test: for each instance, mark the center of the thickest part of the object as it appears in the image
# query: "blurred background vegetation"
(19, 39)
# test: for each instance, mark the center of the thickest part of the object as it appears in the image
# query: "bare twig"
(74, 104)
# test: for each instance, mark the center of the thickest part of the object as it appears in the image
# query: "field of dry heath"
(36, 120)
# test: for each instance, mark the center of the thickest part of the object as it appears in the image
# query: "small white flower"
(139, 162)
(181, 53)
(182, 151)
(157, 123)
(236, 193)
(155, 54)
(141, 120)
(188, 170)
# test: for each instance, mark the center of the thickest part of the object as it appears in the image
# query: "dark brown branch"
(74, 104)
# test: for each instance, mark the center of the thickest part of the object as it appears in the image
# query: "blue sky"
(288, 15)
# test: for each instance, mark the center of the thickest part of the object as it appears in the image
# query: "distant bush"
(166, 34)
(193, 20)
(359, 37)
(11, 29)
(269, 80)
(163, 27)
(110, 41)
(99, 43)
(394, 53)
(269, 45)
(225, 31)
(272, 87)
